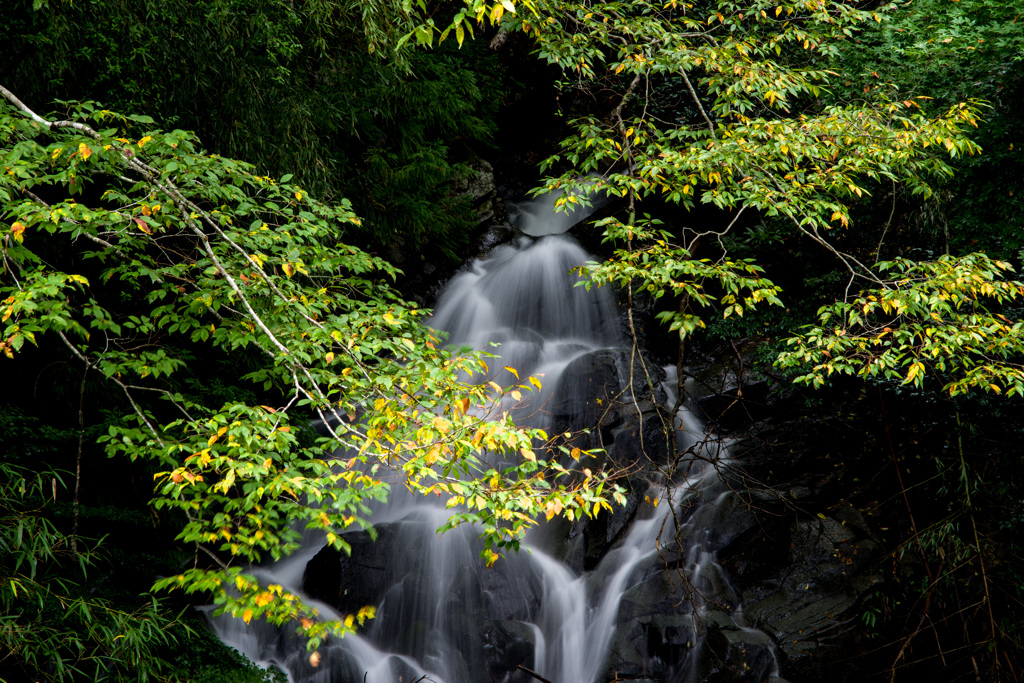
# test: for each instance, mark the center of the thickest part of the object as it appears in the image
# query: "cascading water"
(440, 613)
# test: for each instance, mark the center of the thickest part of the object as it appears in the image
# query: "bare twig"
(533, 673)
(696, 100)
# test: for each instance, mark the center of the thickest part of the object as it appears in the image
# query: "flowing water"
(441, 615)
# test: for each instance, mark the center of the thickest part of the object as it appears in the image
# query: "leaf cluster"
(928, 319)
(51, 627)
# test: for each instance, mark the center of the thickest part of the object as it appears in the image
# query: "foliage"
(951, 52)
(130, 252)
(928, 318)
(290, 87)
(760, 134)
(51, 627)
(677, 273)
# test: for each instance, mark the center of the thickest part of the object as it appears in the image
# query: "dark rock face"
(480, 189)
(654, 636)
(506, 645)
(803, 580)
(349, 582)
(587, 392)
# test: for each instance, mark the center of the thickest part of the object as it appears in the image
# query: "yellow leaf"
(516, 395)
(575, 454)
(84, 151)
(288, 269)
(247, 616)
(512, 370)
(528, 454)
(144, 140)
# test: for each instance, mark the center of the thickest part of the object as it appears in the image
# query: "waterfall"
(440, 613)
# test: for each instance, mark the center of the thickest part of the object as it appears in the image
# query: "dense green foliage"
(92, 639)
(291, 88)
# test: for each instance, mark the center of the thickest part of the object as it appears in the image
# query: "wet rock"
(506, 645)
(733, 654)
(657, 646)
(495, 234)
(481, 190)
(731, 395)
(349, 582)
(587, 391)
(803, 588)
(663, 592)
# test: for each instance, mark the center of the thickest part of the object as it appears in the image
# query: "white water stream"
(440, 614)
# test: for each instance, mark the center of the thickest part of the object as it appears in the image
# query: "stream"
(558, 608)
